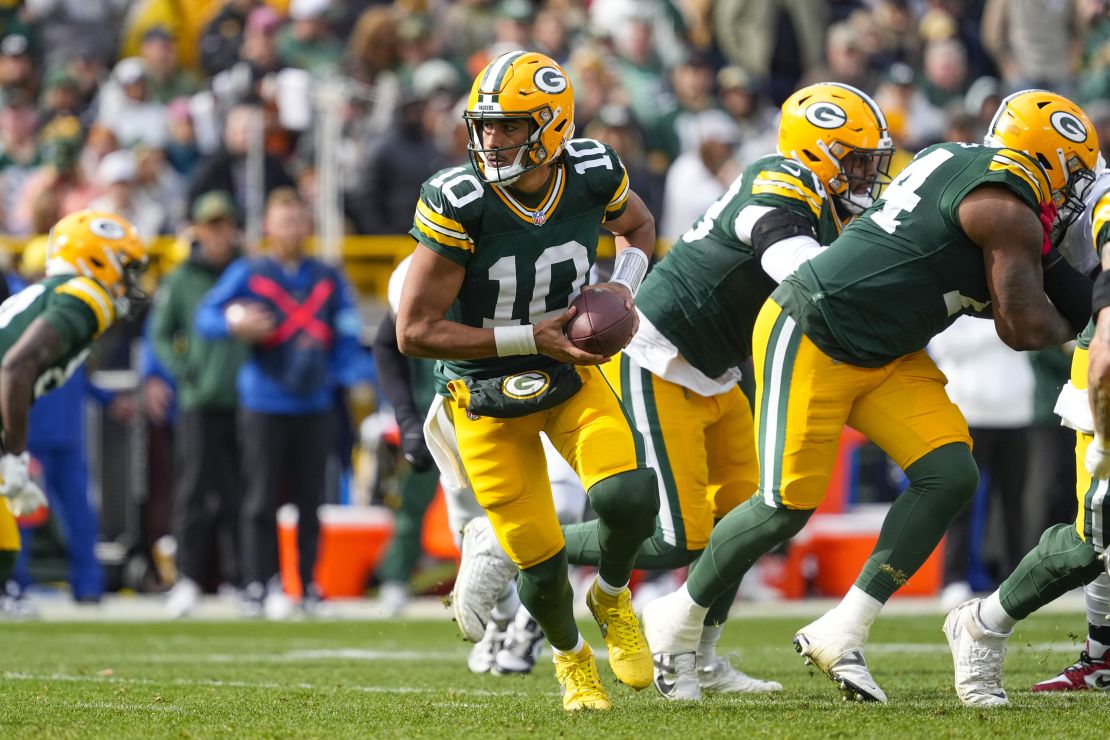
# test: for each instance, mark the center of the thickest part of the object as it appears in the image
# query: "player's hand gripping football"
(552, 341)
(24, 496)
(621, 290)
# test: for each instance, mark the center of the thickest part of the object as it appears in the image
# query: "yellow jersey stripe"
(93, 295)
(1100, 216)
(1022, 174)
(438, 237)
(1032, 169)
(448, 224)
(791, 180)
(771, 187)
(621, 195)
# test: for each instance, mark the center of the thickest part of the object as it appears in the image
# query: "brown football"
(602, 325)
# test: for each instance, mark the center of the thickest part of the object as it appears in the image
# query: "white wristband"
(630, 268)
(515, 340)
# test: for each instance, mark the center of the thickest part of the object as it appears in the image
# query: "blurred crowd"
(151, 109)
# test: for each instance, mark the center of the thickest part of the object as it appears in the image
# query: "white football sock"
(707, 648)
(608, 587)
(859, 608)
(993, 616)
(1097, 595)
(574, 651)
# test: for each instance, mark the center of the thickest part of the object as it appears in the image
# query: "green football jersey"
(523, 265)
(904, 270)
(704, 296)
(78, 308)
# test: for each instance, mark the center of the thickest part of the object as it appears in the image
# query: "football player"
(505, 244)
(961, 230)
(46, 330)
(678, 376)
(1068, 555)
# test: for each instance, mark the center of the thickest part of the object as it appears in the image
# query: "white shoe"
(955, 594)
(276, 606)
(672, 635)
(721, 677)
(837, 650)
(183, 598)
(251, 601)
(483, 572)
(393, 597)
(977, 654)
(521, 647)
(484, 652)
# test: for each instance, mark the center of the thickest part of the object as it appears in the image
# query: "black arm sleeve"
(1068, 289)
(1100, 298)
(395, 373)
(776, 225)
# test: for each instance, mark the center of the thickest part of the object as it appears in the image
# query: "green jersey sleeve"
(603, 171)
(446, 203)
(80, 310)
(1020, 173)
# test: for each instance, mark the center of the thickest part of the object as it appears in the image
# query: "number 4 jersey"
(904, 270)
(523, 264)
(78, 308)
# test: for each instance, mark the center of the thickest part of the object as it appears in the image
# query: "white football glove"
(23, 495)
(1098, 458)
(27, 501)
(14, 473)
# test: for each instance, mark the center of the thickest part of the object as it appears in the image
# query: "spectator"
(614, 126)
(299, 315)
(983, 97)
(756, 124)
(165, 80)
(372, 60)
(207, 495)
(117, 176)
(945, 79)
(549, 35)
(126, 108)
(676, 130)
(845, 60)
(699, 177)
(61, 95)
(307, 41)
(16, 67)
(914, 121)
(1050, 469)
(74, 28)
(19, 154)
(182, 151)
(156, 181)
(222, 37)
(258, 59)
(61, 173)
(395, 167)
(227, 169)
(1035, 43)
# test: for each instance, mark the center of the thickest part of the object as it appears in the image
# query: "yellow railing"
(368, 260)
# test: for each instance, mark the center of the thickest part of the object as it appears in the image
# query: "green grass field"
(393, 679)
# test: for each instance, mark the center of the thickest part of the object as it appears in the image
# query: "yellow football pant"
(702, 449)
(505, 462)
(9, 532)
(804, 398)
(1089, 521)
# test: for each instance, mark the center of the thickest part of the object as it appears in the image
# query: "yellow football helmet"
(841, 134)
(1059, 135)
(102, 246)
(521, 85)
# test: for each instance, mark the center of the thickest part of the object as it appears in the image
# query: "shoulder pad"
(597, 163)
(787, 178)
(1025, 169)
(92, 294)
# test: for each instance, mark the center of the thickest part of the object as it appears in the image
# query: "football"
(603, 324)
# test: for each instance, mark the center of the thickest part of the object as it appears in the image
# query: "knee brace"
(629, 500)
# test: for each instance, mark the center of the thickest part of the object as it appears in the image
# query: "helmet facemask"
(862, 175)
(528, 155)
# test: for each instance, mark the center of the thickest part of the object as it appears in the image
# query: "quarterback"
(505, 244)
(962, 230)
(92, 269)
(678, 376)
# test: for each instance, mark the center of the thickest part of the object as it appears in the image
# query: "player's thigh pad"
(909, 413)
(507, 469)
(592, 431)
(9, 530)
(730, 453)
(803, 400)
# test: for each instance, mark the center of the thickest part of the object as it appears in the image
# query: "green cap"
(214, 204)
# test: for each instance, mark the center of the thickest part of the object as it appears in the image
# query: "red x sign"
(298, 316)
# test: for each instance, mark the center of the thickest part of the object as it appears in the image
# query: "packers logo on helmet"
(528, 87)
(1058, 134)
(840, 134)
(102, 246)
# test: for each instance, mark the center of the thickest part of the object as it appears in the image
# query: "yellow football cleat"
(629, 656)
(577, 674)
